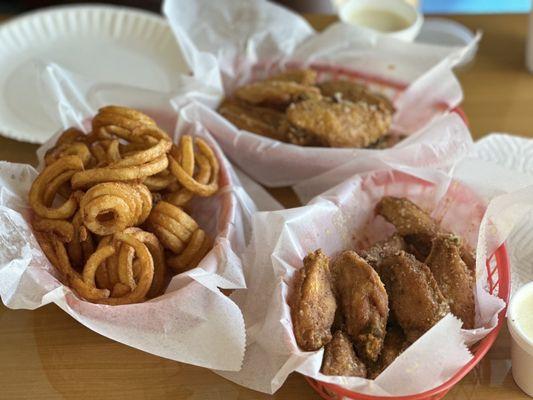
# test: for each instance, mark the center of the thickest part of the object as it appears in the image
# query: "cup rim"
(514, 328)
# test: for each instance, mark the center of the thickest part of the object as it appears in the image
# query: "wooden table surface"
(45, 354)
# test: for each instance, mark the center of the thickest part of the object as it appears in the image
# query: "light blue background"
(475, 6)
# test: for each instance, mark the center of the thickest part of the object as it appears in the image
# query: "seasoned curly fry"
(81, 246)
(67, 166)
(113, 180)
(93, 176)
(63, 230)
(114, 206)
(196, 249)
(79, 149)
(187, 180)
(172, 226)
(145, 276)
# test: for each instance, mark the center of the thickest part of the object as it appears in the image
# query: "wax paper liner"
(343, 218)
(507, 170)
(254, 39)
(193, 322)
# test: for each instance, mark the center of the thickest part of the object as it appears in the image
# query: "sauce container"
(520, 323)
(393, 18)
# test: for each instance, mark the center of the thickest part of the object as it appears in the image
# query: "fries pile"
(109, 207)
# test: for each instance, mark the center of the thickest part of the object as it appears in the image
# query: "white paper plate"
(108, 44)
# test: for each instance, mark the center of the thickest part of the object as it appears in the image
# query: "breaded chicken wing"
(416, 301)
(452, 276)
(276, 94)
(325, 122)
(418, 228)
(355, 92)
(261, 120)
(383, 249)
(387, 141)
(301, 76)
(395, 343)
(313, 306)
(411, 221)
(340, 358)
(363, 301)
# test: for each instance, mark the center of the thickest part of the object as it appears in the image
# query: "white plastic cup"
(521, 344)
(401, 8)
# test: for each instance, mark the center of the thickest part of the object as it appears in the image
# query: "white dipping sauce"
(380, 20)
(523, 316)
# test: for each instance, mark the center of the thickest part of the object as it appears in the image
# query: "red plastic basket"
(498, 281)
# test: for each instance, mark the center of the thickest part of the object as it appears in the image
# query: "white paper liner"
(343, 218)
(193, 322)
(250, 40)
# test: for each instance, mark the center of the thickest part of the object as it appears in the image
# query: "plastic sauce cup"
(520, 323)
(393, 18)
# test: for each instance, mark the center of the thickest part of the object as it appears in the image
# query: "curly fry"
(93, 176)
(81, 246)
(158, 256)
(85, 285)
(110, 207)
(63, 230)
(145, 276)
(79, 149)
(171, 225)
(67, 165)
(143, 156)
(188, 181)
(161, 181)
(197, 248)
(127, 124)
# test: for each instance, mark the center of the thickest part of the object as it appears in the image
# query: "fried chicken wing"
(313, 306)
(381, 250)
(453, 277)
(340, 358)
(416, 301)
(276, 94)
(387, 141)
(394, 345)
(418, 228)
(355, 92)
(325, 122)
(363, 301)
(261, 120)
(301, 76)
(411, 221)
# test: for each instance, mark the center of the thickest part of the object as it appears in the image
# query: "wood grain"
(45, 354)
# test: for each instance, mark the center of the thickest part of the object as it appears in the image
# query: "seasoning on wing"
(276, 94)
(340, 358)
(261, 120)
(301, 76)
(418, 228)
(416, 301)
(387, 141)
(381, 250)
(411, 221)
(325, 122)
(355, 92)
(453, 277)
(394, 345)
(313, 308)
(363, 301)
